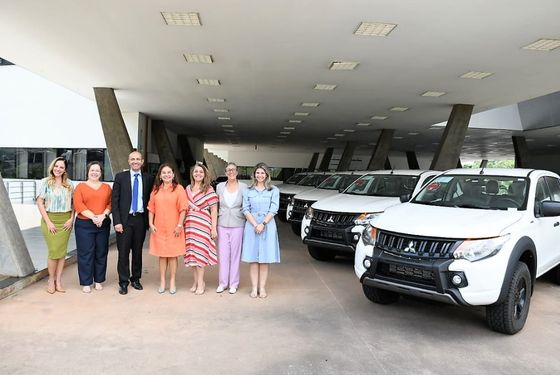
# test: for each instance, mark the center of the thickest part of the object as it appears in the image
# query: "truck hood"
(349, 203)
(295, 189)
(448, 222)
(316, 194)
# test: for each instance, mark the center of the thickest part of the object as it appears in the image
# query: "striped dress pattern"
(200, 248)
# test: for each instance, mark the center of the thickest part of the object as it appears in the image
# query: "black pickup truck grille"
(412, 246)
(407, 273)
(299, 208)
(333, 219)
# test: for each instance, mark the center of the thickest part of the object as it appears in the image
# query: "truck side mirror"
(549, 208)
(405, 197)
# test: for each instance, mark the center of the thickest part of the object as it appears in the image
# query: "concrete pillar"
(381, 151)
(79, 161)
(346, 158)
(114, 129)
(483, 163)
(452, 139)
(163, 146)
(186, 153)
(459, 164)
(313, 162)
(521, 152)
(412, 161)
(326, 161)
(388, 164)
(14, 256)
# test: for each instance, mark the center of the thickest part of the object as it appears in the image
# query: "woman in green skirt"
(55, 205)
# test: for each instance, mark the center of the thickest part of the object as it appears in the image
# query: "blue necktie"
(135, 194)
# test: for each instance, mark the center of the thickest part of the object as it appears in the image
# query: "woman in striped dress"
(200, 225)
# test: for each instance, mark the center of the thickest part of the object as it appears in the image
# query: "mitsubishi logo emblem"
(305, 205)
(410, 248)
(330, 219)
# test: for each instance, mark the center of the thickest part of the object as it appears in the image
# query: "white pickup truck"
(329, 224)
(331, 186)
(309, 182)
(470, 237)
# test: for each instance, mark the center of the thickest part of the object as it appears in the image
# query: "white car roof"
(399, 172)
(514, 172)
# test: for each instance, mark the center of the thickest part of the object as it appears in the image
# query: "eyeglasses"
(231, 169)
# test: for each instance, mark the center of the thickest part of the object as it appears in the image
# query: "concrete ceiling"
(268, 55)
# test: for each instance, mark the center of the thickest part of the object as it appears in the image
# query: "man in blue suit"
(131, 191)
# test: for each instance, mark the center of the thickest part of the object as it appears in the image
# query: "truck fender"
(524, 244)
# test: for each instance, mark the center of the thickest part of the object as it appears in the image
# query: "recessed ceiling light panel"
(435, 94)
(196, 58)
(285, 133)
(289, 128)
(224, 118)
(374, 28)
(338, 135)
(324, 87)
(543, 45)
(399, 109)
(301, 113)
(215, 100)
(349, 130)
(476, 75)
(181, 18)
(221, 110)
(208, 82)
(227, 126)
(294, 121)
(379, 117)
(343, 65)
(309, 104)
(363, 124)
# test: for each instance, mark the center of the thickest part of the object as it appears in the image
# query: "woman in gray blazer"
(231, 222)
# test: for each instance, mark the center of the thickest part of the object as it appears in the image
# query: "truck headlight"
(369, 235)
(292, 200)
(365, 218)
(473, 250)
(309, 213)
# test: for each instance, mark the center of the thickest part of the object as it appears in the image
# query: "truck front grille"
(413, 246)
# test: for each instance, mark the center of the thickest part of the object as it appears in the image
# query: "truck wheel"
(509, 316)
(296, 228)
(555, 273)
(318, 253)
(381, 296)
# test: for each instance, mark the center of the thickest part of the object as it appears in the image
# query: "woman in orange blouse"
(167, 207)
(92, 202)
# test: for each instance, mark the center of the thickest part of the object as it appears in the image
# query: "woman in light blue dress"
(260, 237)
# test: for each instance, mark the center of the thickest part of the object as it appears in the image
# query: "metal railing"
(21, 191)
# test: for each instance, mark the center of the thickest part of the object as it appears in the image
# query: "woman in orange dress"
(167, 207)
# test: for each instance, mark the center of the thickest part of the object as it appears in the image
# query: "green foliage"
(492, 164)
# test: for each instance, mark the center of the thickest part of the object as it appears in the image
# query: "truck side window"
(553, 187)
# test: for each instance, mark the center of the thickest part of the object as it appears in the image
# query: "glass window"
(553, 187)
(383, 185)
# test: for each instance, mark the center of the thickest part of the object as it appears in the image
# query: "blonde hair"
(51, 179)
(267, 181)
(206, 181)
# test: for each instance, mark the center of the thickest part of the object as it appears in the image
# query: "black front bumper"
(341, 240)
(424, 278)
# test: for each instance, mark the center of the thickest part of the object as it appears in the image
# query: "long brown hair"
(51, 179)
(206, 181)
(159, 181)
(267, 181)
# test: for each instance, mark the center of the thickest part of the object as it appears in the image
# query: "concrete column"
(186, 153)
(346, 158)
(114, 129)
(452, 139)
(313, 162)
(381, 151)
(459, 164)
(412, 161)
(521, 150)
(79, 161)
(14, 256)
(483, 163)
(388, 164)
(163, 146)
(326, 161)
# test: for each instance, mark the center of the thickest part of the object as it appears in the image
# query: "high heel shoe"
(59, 288)
(98, 286)
(262, 293)
(200, 291)
(51, 288)
(161, 290)
(193, 288)
(172, 290)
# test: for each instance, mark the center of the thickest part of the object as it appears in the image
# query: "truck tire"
(555, 274)
(381, 296)
(296, 228)
(509, 316)
(320, 254)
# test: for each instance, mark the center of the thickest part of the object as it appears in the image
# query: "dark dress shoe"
(123, 289)
(136, 285)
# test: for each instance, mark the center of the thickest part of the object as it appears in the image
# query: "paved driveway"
(315, 321)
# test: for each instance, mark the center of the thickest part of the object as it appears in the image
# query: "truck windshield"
(338, 181)
(313, 179)
(383, 185)
(295, 179)
(476, 191)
